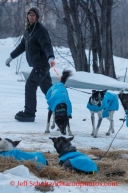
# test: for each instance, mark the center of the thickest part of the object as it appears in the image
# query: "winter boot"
(25, 117)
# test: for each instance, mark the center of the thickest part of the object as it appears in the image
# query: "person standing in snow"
(39, 55)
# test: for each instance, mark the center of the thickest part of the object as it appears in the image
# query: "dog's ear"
(122, 91)
(93, 91)
(0, 139)
(15, 143)
(104, 91)
(71, 138)
(52, 138)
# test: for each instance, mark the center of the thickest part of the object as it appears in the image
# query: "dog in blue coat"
(8, 148)
(59, 105)
(7, 144)
(70, 158)
(104, 104)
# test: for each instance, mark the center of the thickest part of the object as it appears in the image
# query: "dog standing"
(59, 105)
(104, 104)
(124, 101)
(70, 158)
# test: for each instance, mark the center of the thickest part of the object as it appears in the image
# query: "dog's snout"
(63, 132)
(99, 104)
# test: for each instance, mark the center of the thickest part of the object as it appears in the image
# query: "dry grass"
(111, 163)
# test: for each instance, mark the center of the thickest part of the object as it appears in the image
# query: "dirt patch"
(111, 164)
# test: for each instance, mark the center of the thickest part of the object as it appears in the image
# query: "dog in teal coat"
(104, 104)
(70, 158)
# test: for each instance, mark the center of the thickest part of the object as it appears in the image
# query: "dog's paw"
(107, 134)
(95, 136)
(53, 126)
(47, 131)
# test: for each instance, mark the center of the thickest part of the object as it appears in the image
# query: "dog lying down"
(70, 158)
(104, 104)
(59, 105)
(8, 149)
(7, 144)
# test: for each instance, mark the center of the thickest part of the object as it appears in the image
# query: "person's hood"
(35, 10)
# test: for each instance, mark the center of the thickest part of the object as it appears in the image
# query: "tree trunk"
(93, 41)
(41, 5)
(75, 35)
(111, 69)
(98, 37)
(107, 50)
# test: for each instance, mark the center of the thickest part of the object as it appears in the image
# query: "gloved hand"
(8, 61)
(51, 61)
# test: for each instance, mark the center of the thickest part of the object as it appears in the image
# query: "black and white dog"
(104, 104)
(70, 158)
(7, 144)
(124, 100)
(59, 105)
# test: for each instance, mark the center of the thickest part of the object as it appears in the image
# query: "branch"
(64, 58)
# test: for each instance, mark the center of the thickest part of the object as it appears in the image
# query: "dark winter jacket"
(37, 45)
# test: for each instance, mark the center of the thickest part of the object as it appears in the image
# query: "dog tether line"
(111, 142)
(56, 73)
(113, 139)
(78, 90)
(67, 86)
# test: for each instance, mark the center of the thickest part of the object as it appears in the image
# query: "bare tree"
(94, 45)
(106, 37)
(99, 16)
(76, 28)
(42, 4)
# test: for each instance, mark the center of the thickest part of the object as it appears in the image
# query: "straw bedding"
(114, 161)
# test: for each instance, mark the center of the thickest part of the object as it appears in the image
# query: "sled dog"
(104, 104)
(59, 105)
(70, 158)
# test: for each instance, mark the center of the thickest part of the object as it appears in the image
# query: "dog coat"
(109, 103)
(21, 155)
(79, 161)
(58, 94)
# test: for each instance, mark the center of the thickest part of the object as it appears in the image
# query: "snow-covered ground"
(32, 135)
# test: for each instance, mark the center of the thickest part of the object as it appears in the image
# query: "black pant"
(37, 77)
